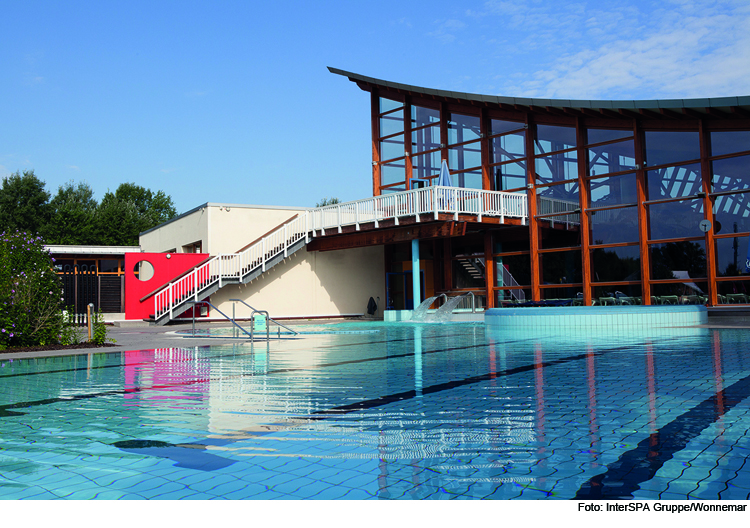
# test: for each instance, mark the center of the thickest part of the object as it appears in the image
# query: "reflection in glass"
(616, 264)
(614, 190)
(674, 182)
(425, 139)
(507, 148)
(465, 156)
(676, 219)
(557, 167)
(392, 123)
(689, 292)
(671, 147)
(731, 174)
(561, 267)
(553, 138)
(463, 128)
(389, 190)
(501, 127)
(565, 193)
(621, 294)
(729, 142)
(678, 260)
(597, 135)
(387, 105)
(510, 176)
(509, 298)
(730, 256)
(421, 116)
(614, 157)
(392, 173)
(468, 180)
(426, 165)
(614, 226)
(392, 148)
(561, 238)
(732, 211)
(733, 292)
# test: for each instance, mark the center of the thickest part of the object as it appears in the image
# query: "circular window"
(143, 270)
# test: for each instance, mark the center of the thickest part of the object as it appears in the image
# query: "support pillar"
(416, 286)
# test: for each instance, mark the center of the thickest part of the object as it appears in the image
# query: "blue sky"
(231, 101)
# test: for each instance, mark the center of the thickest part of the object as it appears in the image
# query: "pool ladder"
(232, 320)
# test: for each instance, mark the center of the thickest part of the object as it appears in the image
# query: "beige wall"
(307, 284)
(313, 284)
(221, 228)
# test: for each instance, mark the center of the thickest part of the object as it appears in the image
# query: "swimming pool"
(410, 411)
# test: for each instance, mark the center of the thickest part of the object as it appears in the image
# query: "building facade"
(642, 200)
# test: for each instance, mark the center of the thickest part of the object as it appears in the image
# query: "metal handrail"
(252, 328)
(267, 316)
(222, 313)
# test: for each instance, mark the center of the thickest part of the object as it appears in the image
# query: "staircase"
(291, 236)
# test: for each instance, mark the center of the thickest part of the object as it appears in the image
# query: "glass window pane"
(463, 128)
(392, 148)
(730, 256)
(561, 267)
(510, 176)
(387, 105)
(732, 213)
(390, 190)
(425, 139)
(465, 156)
(108, 266)
(621, 294)
(469, 180)
(501, 127)
(678, 260)
(557, 167)
(421, 116)
(614, 226)
(553, 138)
(675, 219)
(426, 165)
(557, 198)
(509, 147)
(690, 292)
(731, 174)
(674, 182)
(511, 297)
(392, 123)
(614, 190)
(614, 157)
(598, 135)
(392, 173)
(671, 147)
(513, 270)
(561, 238)
(733, 292)
(616, 264)
(729, 142)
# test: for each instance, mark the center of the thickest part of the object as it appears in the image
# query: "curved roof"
(726, 107)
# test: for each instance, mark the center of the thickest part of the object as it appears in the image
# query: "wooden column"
(643, 225)
(708, 208)
(374, 111)
(531, 198)
(489, 269)
(583, 197)
(484, 126)
(407, 142)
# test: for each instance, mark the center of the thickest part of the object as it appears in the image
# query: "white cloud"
(691, 49)
(74, 167)
(446, 30)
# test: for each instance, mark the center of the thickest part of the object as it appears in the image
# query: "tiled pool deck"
(411, 411)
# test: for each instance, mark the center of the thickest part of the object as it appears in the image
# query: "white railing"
(233, 267)
(506, 279)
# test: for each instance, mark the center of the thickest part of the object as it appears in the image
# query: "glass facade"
(619, 198)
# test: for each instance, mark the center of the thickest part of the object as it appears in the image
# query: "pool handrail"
(222, 313)
(267, 316)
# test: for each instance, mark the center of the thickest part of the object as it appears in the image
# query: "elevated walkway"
(421, 205)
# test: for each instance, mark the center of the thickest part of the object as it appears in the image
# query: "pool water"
(407, 411)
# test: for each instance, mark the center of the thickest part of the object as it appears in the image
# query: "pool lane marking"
(638, 465)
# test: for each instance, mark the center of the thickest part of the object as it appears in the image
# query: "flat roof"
(59, 249)
(711, 106)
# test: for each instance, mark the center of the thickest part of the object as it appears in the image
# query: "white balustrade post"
(338, 216)
(171, 302)
(286, 242)
(480, 202)
(435, 201)
(220, 270)
(263, 256)
(455, 204)
(356, 215)
(195, 284)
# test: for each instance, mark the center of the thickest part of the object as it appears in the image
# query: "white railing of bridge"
(331, 219)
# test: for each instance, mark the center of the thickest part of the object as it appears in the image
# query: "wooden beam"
(692, 113)
(738, 110)
(387, 236)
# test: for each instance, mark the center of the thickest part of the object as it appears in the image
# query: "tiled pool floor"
(407, 412)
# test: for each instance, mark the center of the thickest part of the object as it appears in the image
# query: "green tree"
(24, 203)
(116, 222)
(72, 215)
(327, 201)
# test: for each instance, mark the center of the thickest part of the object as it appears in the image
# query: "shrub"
(30, 292)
